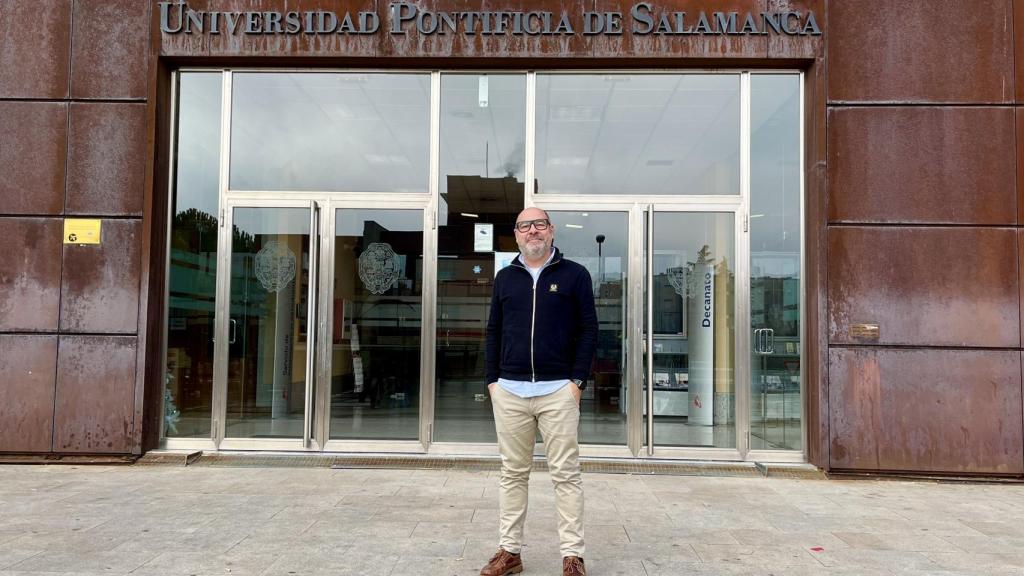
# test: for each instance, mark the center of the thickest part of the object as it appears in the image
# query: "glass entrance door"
(268, 295)
(374, 359)
(689, 330)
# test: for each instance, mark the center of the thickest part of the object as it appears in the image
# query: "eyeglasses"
(539, 224)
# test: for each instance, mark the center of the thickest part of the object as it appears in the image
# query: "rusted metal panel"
(927, 286)
(36, 48)
(33, 170)
(109, 55)
(28, 370)
(95, 394)
(1020, 159)
(1018, 42)
(963, 51)
(936, 165)
(951, 411)
(100, 282)
(107, 159)
(30, 274)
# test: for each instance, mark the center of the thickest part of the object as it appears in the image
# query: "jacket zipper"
(533, 314)
(533, 323)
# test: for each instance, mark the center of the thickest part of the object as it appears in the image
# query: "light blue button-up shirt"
(525, 388)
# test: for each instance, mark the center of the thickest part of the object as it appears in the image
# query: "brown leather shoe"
(503, 563)
(573, 566)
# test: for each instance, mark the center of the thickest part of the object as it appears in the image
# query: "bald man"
(541, 339)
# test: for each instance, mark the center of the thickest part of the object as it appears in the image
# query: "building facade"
(270, 225)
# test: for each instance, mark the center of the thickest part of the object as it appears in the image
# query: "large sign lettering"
(403, 18)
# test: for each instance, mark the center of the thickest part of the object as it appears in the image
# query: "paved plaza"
(179, 521)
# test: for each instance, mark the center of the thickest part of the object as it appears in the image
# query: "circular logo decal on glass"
(677, 278)
(378, 267)
(275, 266)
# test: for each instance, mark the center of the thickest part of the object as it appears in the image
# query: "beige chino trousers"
(517, 420)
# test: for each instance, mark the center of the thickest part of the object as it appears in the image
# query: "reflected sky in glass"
(775, 174)
(330, 132)
(638, 134)
(198, 152)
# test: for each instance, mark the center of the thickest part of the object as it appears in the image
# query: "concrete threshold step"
(476, 464)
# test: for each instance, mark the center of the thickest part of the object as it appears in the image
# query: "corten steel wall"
(74, 119)
(924, 235)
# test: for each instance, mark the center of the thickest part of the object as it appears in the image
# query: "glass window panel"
(638, 134)
(375, 352)
(693, 331)
(482, 163)
(343, 132)
(775, 263)
(599, 241)
(267, 332)
(192, 270)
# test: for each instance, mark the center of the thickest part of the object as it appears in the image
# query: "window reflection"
(775, 263)
(193, 259)
(343, 132)
(638, 134)
(483, 128)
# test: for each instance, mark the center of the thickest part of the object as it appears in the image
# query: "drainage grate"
(479, 464)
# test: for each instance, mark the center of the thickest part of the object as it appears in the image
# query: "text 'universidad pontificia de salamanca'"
(402, 18)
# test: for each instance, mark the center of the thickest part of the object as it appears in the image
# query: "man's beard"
(535, 250)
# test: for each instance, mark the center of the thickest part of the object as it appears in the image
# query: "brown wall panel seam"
(76, 100)
(892, 104)
(922, 225)
(906, 347)
(64, 208)
(83, 215)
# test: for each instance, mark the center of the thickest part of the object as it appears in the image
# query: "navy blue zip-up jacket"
(549, 335)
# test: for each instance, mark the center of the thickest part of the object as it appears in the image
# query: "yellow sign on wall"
(81, 231)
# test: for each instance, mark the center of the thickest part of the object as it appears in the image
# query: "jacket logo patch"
(553, 288)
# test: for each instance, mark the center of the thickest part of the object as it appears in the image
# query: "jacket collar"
(518, 262)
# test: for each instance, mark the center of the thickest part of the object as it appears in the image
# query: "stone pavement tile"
(707, 519)
(456, 501)
(755, 556)
(973, 543)
(998, 528)
(375, 528)
(71, 541)
(339, 562)
(898, 561)
(603, 535)
(461, 529)
(440, 545)
(814, 523)
(805, 540)
(666, 551)
(896, 541)
(57, 560)
(986, 564)
(435, 567)
(690, 535)
(630, 518)
(195, 563)
(423, 514)
(10, 556)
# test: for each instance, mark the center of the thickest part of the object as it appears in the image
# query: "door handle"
(234, 330)
(764, 341)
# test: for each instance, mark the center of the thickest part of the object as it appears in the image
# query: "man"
(541, 338)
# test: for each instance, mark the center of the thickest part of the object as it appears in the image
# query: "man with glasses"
(541, 339)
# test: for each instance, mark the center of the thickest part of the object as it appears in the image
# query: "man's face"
(534, 243)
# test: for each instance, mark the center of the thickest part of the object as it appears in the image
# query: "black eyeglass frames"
(539, 224)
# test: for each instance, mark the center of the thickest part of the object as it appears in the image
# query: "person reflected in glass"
(541, 340)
